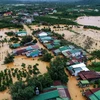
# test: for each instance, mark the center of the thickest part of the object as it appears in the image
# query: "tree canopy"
(56, 70)
(96, 54)
(26, 90)
(9, 59)
(26, 39)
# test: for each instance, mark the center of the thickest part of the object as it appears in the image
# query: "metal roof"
(57, 51)
(47, 95)
(95, 96)
(16, 45)
(63, 48)
(84, 82)
(21, 32)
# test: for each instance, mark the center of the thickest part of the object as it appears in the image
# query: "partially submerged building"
(89, 75)
(59, 92)
(25, 49)
(21, 33)
(75, 69)
(93, 94)
(34, 53)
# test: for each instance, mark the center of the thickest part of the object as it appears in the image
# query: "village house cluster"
(76, 64)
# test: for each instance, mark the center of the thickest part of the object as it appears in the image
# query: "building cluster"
(85, 78)
(24, 16)
(53, 44)
(75, 65)
(29, 51)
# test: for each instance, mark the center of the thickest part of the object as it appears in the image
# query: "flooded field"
(91, 20)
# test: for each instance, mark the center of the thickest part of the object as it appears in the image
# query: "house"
(64, 48)
(75, 60)
(23, 50)
(42, 34)
(49, 46)
(92, 94)
(15, 45)
(56, 52)
(56, 45)
(54, 11)
(46, 39)
(34, 53)
(83, 83)
(35, 14)
(59, 92)
(88, 75)
(21, 33)
(75, 69)
(29, 20)
(73, 53)
(96, 10)
(7, 13)
(56, 41)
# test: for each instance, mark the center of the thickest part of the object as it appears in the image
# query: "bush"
(26, 39)
(9, 33)
(9, 59)
(56, 70)
(47, 57)
(96, 54)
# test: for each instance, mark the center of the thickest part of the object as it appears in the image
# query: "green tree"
(23, 65)
(26, 39)
(9, 59)
(20, 91)
(47, 57)
(96, 54)
(56, 70)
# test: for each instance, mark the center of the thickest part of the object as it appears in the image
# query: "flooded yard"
(18, 60)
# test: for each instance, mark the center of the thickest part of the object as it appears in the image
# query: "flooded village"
(49, 52)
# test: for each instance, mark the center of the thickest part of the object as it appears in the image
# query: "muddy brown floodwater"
(4, 50)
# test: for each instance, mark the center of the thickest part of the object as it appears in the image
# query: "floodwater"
(4, 50)
(89, 20)
(74, 90)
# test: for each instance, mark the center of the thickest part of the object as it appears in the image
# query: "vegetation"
(91, 27)
(7, 24)
(26, 39)
(9, 33)
(53, 21)
(96, 54)
(7, 76)
(35, 31)
(47, 57)
(56, 70)
(9, 59)
(14, 39)
(95, 66)
(46, 29)
(25, 90)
